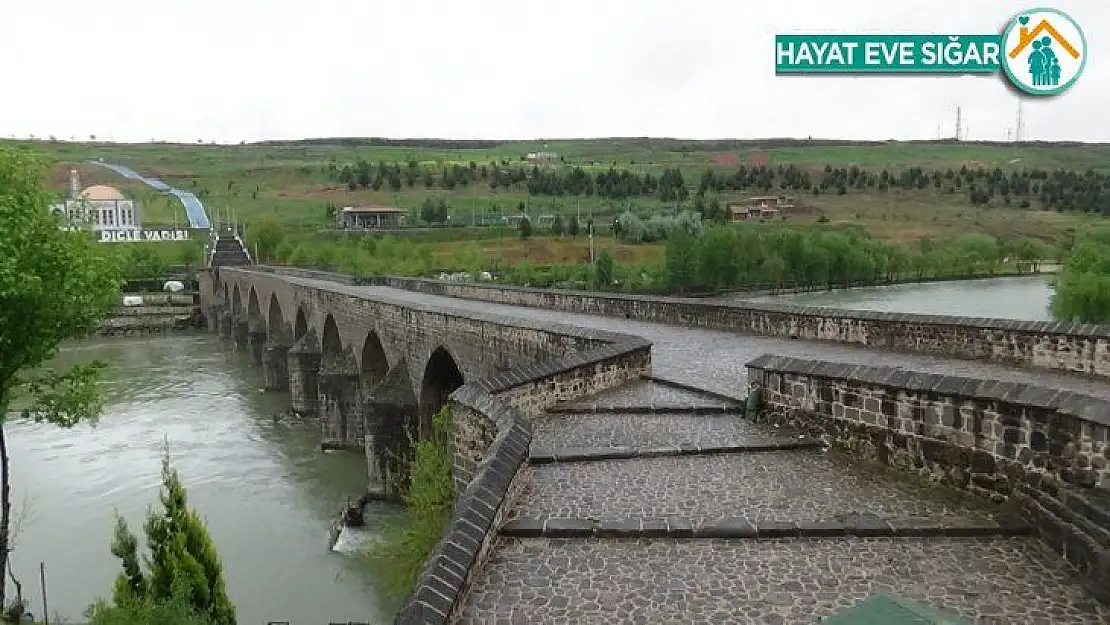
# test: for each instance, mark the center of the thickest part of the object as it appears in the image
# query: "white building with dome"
(98, 207)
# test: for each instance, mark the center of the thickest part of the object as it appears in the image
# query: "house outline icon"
(1026, 37)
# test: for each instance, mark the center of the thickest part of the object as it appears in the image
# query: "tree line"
(1082, 290)
(716, 257)
(1060, 189)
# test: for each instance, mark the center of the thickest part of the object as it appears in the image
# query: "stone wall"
(1050, 345)
(159, 313)
(1046, 449)
(491, 433)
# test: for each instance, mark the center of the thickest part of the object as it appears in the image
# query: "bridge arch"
(373, 364)
(254, 311)
(236, 302)
(275, 319)
(331, 347)
(300, 325)
(441, 377)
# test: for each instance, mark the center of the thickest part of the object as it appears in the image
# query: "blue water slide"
(194, 210)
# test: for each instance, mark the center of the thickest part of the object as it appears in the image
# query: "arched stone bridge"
(375, 368)
(653, 501)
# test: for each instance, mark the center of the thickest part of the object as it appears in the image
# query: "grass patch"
(409, 538)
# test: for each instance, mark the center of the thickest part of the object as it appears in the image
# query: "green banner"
(888, 54)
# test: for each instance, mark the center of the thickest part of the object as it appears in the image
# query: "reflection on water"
(268, 494)
(1025, 298)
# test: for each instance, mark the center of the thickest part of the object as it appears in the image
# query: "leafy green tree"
(141, 261)
(265, 234)
(572, 226)
(190, 255)
(604, 271)
(557, 226)
(183, 562)
(54, 285)
(525, 227)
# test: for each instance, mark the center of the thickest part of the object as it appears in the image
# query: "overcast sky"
(232, 70)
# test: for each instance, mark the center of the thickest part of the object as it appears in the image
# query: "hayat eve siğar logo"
(1044, 51)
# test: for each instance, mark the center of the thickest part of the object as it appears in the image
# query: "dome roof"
(102, 192)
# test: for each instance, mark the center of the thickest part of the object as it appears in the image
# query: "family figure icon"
(1044, 67)
(1043, 38)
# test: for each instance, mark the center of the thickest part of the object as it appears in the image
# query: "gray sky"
(231, 70)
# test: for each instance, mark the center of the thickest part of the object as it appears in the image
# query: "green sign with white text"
(1041, 51)
(854, 54)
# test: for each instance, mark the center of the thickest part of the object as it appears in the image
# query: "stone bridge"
(604, 471)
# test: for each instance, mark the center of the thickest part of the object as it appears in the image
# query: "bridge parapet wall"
(492, 433)
(1047, 449)
(1064, 346)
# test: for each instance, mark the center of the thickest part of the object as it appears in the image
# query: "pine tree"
(183, 562)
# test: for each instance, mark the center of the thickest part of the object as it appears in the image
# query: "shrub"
(408, 539)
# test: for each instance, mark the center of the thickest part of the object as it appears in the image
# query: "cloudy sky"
(233, 70)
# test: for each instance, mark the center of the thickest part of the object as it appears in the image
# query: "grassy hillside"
(295, 181)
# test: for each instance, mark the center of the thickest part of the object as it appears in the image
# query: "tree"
(54, 285)
(604, 271)
(572, 226)
(190, 255)
(557, 226)
(525, 227)
(182, 566)
(265, 234)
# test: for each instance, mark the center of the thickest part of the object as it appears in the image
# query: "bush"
(174, 611)
(409, 539)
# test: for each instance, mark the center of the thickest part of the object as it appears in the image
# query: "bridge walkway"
(651, 505)
(715, 360)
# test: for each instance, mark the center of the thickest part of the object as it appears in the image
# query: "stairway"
(228, 250)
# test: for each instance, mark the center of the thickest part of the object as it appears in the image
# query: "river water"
(1025, 297)
(269, 495)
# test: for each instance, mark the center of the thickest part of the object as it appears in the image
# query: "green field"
(291, 181)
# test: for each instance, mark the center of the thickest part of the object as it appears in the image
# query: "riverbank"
(158, 313)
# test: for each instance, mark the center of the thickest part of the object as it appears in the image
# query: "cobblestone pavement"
(1012, 581)
(715, 360)
(647, 393)
(643, 431)
(801, 485)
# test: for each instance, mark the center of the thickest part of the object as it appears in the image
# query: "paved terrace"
(653, 505)
(650, 504)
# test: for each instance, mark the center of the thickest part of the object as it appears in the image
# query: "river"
(269, 495)
(1025, 297)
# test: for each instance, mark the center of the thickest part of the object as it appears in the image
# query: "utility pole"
(592, 258)
(1019, 134)
(959, 123)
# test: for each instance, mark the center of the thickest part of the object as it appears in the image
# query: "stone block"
(821, 529)
(727, 528)
(777, 529)
(568, 528)
(624, 528)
